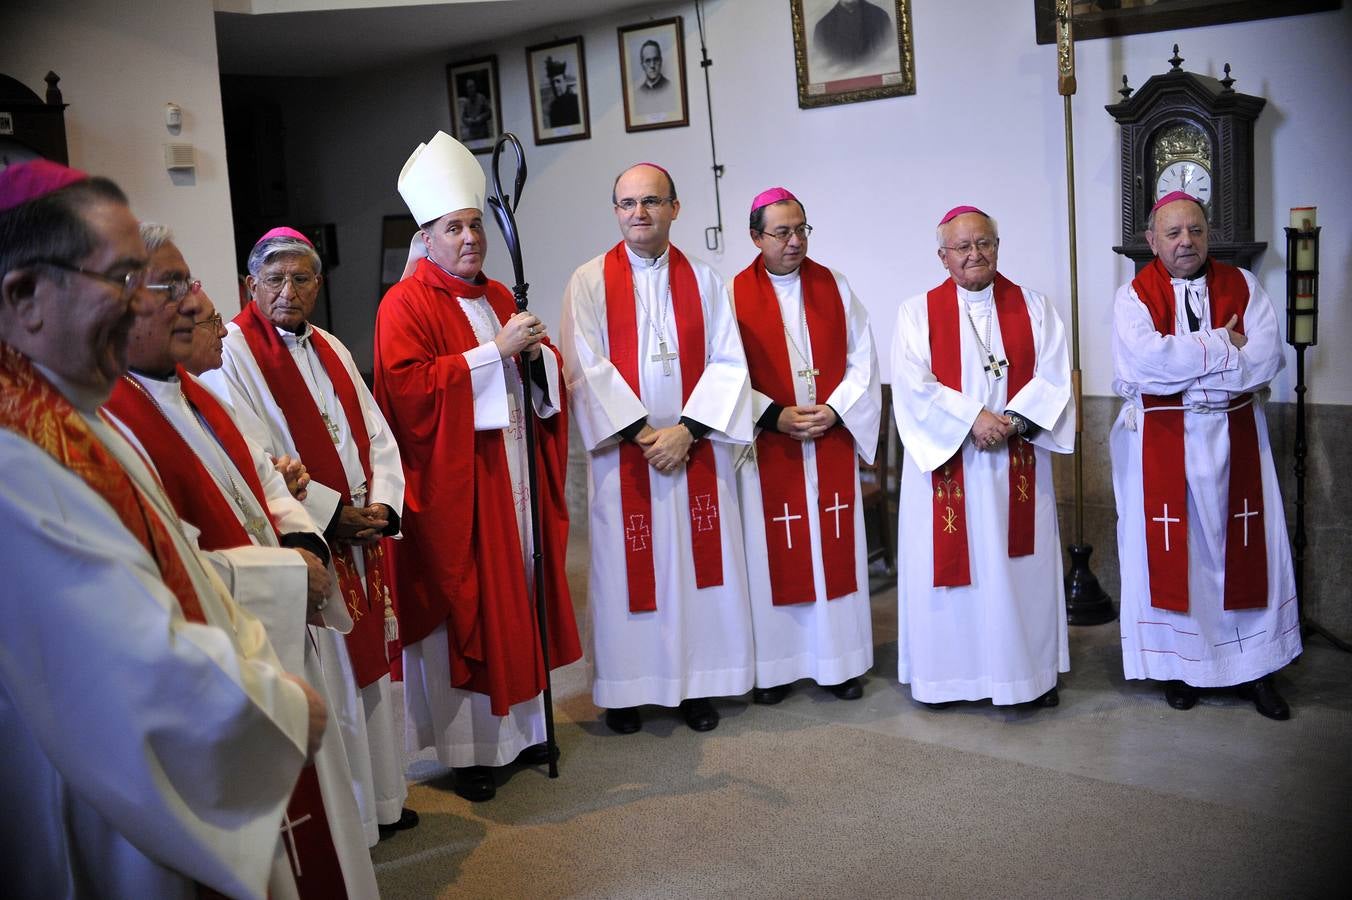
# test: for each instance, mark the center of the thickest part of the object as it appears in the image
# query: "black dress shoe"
(537, 755)
(1047, 700)
(943, 704)
(1180, 694)
(699, 714)
(407, 819)
(769, 696)
(623, 719)
(475, 783)
(1265, 698)
(849, 689)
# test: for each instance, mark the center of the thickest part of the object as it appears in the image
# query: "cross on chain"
(664, 357)
(995, 366)
(810, 376)
(331, 425)
(786, 519)
(637, 533)
(836, 509)
(1246, 515)
(1166, 520)
(292, 853)
(704, 513)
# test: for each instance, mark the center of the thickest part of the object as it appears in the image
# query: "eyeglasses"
(628, 204)
(213, 322)
(985, 245)
(178, 288)
(277, 283)
(128, 284)
(783, 234)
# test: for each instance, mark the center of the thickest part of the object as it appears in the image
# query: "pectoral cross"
(664, 357)
(810, 376)
(289, 826)
(330, 425)
(995, 366)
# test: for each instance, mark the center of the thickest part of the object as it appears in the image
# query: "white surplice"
(366, 716)
(698, 641)
(116, 782)
(828, 641)
(1004, 635)
(1208, 646)
(460, 724)
(271, 582)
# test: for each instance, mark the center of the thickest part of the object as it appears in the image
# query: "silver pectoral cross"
(810, 376)
(995, 366)
(664, 357)
(331, 425)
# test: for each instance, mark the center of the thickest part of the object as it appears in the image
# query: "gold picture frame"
(849, 51)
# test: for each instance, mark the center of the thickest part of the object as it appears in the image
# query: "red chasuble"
(779, 457)
(1163, 471)
(460, 560)
(32, 408)
(952, 566)
(366, 642)
(701, 474)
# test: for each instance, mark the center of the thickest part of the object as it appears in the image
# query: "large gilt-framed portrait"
(846, 51)
(476, 104)
(1111, 18)
(557, 75)
(652, 75)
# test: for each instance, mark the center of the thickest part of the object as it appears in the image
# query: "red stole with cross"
(779, 457)
(1163, 471)
(188, 483)
(701, 476)
(369, 603)
(952, 566)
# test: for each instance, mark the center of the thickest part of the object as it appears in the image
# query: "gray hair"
(939, 232)
(266, 251)
(155, 236)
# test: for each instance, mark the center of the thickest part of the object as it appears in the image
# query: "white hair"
(939, 232)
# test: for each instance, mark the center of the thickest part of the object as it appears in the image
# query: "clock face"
(1185, 175)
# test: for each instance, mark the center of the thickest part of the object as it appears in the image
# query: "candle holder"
(1302, 331)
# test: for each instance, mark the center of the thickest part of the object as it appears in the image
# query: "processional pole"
(504, 207)
(1086, 602)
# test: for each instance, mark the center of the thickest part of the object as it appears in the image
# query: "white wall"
(985, 127)
(120, 63)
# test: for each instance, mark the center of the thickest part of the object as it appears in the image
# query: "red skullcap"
(771, 195)
(283, 231)
(1171, 197)
(27, 181)
(958, 211)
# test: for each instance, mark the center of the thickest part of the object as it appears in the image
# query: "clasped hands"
(362, 524)
(990, 430)
(806, 423)
(665, 449)
(523, 331)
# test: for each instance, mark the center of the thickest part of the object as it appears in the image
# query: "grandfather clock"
(30, 127)
(1187, 132)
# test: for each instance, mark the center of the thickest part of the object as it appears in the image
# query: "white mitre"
(441, 176)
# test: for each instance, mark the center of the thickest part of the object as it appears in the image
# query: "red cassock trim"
(779, 457)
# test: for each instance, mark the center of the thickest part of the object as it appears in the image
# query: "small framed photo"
(476, 105)
(846, 51)
(557, 74)
(652, 75)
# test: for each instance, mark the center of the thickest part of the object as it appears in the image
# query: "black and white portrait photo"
(476, 108)
(851, 50)
(652, 69)
(558, 78)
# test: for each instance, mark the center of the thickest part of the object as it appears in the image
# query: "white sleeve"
(932, 420)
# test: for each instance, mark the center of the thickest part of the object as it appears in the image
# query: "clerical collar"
(783, 280)
(1196, 279)
(171, 375)
(299, 337)
(477, 281)
(86, 399)
(976, 298)
(643, 262)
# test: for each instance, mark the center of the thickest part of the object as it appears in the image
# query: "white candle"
(1303, 218)
(1304, 333)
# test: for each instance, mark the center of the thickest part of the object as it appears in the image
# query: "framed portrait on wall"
(652, 75)
(846, 51)
(476, 105)
(1112, 18)
(396, 236)
(557, 75)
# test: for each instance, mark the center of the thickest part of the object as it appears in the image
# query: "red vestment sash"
(952, 565)
(1163, 461)
(187, 482)
(460, 563)
(366, 603)
(779, 457)
(32, 408)
(701, 474)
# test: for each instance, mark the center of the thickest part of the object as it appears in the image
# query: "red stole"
(188, 483)
(366, 642)
(460, 562)
(701, 476)
(1163, 472)
(952, 566)
(779, 457)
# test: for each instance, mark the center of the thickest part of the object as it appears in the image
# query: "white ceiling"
(258, 37)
